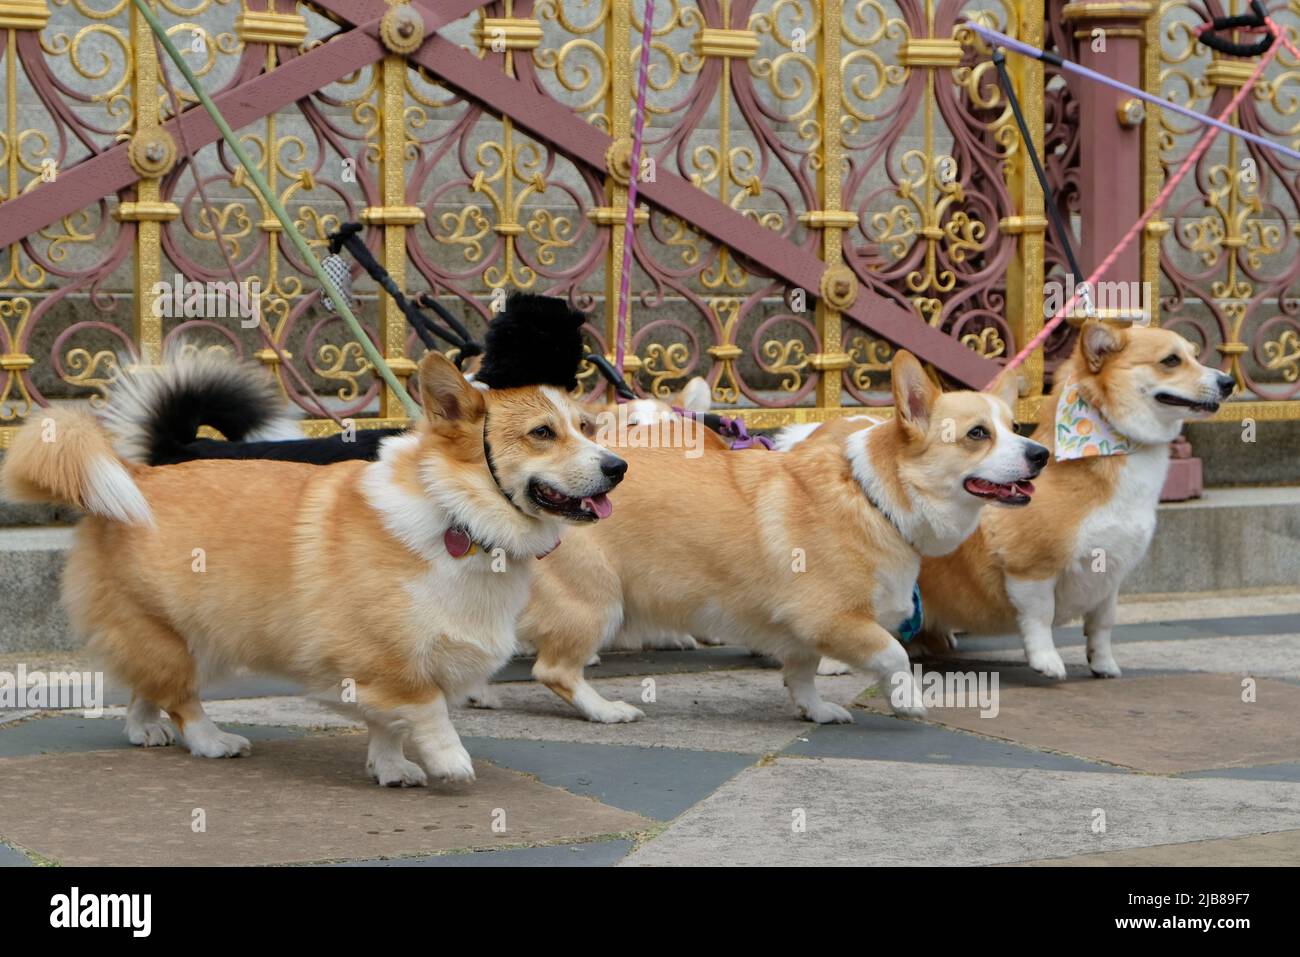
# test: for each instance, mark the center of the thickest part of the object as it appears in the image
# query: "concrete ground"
(1193, 757)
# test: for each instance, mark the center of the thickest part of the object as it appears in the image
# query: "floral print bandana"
(1082, 431)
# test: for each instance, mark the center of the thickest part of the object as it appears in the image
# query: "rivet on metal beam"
(402, 29)
(152, 152)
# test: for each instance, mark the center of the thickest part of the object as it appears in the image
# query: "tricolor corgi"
(809, 553)
(1119, 400)
(385, 587)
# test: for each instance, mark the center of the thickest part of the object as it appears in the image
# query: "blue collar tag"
(911, 626)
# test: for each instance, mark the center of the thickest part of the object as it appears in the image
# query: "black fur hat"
(537, 340)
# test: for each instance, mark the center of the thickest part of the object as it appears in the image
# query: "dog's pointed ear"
(1006, 386)
(697, 396)
(914, 393)
(444, 392)
(1097, 342)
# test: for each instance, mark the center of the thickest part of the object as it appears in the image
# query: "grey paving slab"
(1288, 771)
(289, 802)
(1272, 656)
(11, 857)
(291, 712)
(592, 854)
(657, 782)
(1174, 630)
(746, 712)
(878, 737)
(896, 813)
(1279, 849)
(1164, 725)
(617, 664)
(63, 735)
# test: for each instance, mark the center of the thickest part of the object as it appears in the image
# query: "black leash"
(1255, 20)
(348, 236)
(1054, 214)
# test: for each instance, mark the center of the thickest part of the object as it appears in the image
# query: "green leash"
(331, 289)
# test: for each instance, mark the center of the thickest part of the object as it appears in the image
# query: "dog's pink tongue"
(600, 505)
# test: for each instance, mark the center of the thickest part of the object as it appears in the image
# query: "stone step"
(1230, 540)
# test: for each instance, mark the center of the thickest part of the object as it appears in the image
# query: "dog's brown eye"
(1171, 361)
(588, 428)
(543, 432)
(978, 433)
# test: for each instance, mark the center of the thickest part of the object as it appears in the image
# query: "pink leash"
(1170, 185)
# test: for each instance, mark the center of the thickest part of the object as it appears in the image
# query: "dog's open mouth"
(1012, 493)
(1169, 398)
(588, 508)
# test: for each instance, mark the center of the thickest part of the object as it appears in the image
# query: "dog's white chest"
(1113, 538)
(891, 599)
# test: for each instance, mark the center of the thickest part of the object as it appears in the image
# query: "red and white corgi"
(809, 553)
(1119, 400)
(358, 579)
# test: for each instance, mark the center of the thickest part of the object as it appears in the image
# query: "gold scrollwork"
(665, 362)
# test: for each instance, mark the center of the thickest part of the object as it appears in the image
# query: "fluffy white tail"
(64, 457)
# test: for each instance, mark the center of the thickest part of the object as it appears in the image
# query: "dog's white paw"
(219, 744)
(484, 696)
(826, 712)
(1104, 667)
(592, 662)
(832, 666)
(909, 710)
(152, 734)
(613, 712)
(1047, 663)
(451, 764)
(395, 771)
(708, 640)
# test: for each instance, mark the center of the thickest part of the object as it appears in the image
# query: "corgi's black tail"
(154, 413)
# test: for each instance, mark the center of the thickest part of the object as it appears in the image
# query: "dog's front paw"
(832, 666)
(614, 712)
(153, 734)
(450, 764)
(485, 697)
(826, 712)
(909, 710)
(1104, 667)
(219, 744)
(1047, 663)
(396, 772)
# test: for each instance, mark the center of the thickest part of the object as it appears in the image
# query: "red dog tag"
(457, 541)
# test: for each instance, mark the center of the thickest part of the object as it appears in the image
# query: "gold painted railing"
(870, 134)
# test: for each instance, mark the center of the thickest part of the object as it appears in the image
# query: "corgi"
(385, 587)
(1067, 554)
(799, 555)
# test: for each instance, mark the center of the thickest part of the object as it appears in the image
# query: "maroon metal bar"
(110, 171)
(553, 122)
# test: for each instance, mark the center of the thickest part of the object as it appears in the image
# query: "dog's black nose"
(1036, 455)
(1226, 384)
(613, 468)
